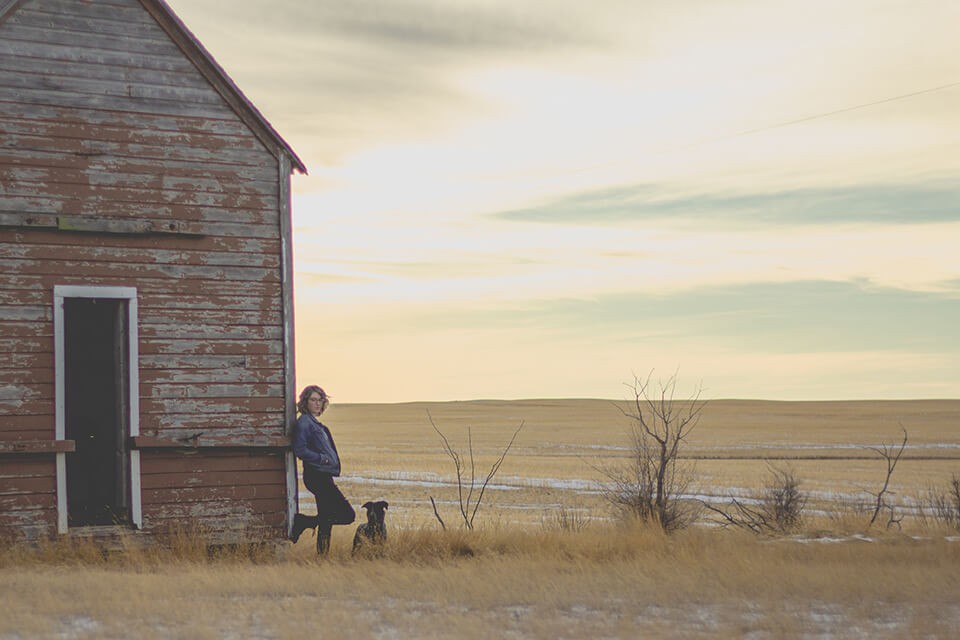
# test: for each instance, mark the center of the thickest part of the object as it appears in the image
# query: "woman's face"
(316, 403)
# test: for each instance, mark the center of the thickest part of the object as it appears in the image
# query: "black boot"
(323, 538)
(301, 523)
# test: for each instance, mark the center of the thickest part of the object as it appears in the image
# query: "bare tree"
(469, 493)
(652, 484)
(891, 456)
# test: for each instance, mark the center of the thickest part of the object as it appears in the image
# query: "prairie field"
(548, 557)
(559, 456)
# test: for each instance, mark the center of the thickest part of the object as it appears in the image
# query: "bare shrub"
(470, 494)
(776, 508)
(783, 501)
(572, 519)
(944, 504)
(652, 485)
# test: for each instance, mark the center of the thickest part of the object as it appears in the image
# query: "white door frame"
(61, 292)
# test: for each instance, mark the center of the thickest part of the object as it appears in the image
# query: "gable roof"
(191, 47)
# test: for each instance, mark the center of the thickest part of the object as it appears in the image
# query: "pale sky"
(543, 198)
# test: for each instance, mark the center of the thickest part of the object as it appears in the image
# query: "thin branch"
(437, 513)
(892, 459)
(493, 471)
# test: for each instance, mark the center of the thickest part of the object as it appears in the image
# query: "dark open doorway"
(96, 364)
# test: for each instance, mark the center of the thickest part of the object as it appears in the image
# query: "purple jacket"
(313, 444)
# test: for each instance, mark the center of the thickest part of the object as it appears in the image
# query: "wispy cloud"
(925, 201)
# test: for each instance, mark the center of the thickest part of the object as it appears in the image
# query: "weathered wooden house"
(146, 312)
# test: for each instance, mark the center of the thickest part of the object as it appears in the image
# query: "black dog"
(373, 530)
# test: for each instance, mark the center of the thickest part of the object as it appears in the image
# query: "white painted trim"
(61, 292)
(136, 506)
(289, 350)
(61, 493)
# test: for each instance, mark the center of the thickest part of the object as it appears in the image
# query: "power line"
(843, 110)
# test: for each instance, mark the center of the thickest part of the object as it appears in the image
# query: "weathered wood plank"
(187, 304)
(124, 11)
(216, 168)
(164, 330)
(208, 347)
(223, 150)
(42, 58)
(170, 286)
(15, 31)
(72, 117)
(125, 180)
(164, 132)
(212, 479)
(136, 271)
(224, 518)
(41, 344)
(27, 501)
(183, 425)
(27, 475)
(36, 446)
(42, 17)
(36, 426)
(25, 313)
(195, 376)
(124, 254)
(199, 494)
(55, 243)
(245, 390)
(226, 406)
(218, 441)
(161, 461)
(157, 106)
(24, 375)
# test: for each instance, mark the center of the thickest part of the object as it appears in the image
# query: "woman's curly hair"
(307, 392)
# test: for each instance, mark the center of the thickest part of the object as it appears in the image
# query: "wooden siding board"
(106, 118)
(125, 10)
(166, 286)
(199, 462)
(172, 73)
(136, 271)
(171, 375)
(223, 151)
(174, 424)
(27, 495)
(159, 479)
(123, 255)
(56, 241)
(150, 41)
(34, 376)
(113, 23)
(123, 179)
(225, 406)
(248, 390)
(95, 163)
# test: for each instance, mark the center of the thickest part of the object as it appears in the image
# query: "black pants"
(332, 507)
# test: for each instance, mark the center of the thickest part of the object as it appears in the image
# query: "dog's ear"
(384, 503)
(366, 505)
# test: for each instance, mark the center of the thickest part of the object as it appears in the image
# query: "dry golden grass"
(609, 581)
